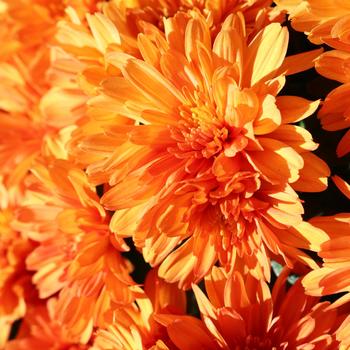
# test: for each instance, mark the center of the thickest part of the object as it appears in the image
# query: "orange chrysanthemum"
(208, 173)
(40, 330)
(77, 255)
(135, 328)
(334, 275)
(241, 313)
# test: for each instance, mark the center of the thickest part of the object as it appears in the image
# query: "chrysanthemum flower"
(242, 313)
(40, 330)
(209, 171)
(15, 280)
(324, 21)
(334, 113)
(77, 255)
(134, 327)
(334, 275)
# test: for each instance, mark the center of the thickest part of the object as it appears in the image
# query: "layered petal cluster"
(135, 327)
(76, 255)
(160, 136)
(209, 169)
(242, 313)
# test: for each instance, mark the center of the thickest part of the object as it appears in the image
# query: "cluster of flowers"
(161, 123)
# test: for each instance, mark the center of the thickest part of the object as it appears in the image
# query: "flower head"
(208, 170)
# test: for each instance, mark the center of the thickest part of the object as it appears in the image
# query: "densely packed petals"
(213, 160)
(151, 155)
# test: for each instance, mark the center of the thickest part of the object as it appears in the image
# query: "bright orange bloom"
(242, 313)
(40, 330)
(334, 113)
(334, 275)
(77, 255)
(208, 173)
(134, 327)
(15, 280)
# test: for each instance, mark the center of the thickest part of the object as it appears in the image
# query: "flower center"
(200, 134)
